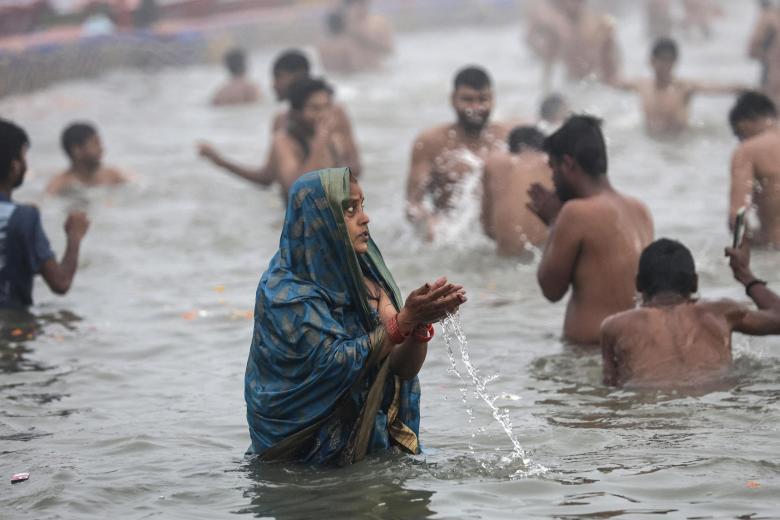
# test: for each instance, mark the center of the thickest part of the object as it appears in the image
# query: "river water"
(126, 400)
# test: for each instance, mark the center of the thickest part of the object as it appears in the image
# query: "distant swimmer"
(24, 247)
(84, 148)
(596, 233)
(443, 157)
(553, 112)
(674, 340)
(567, 31)
(370, 31)
(507, 179)
(666, 99)
(755, 165)
(288, 68)
(339, 53)
(239, 89)
(765, 47)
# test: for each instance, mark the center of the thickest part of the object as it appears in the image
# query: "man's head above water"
(577, 154)
(289, 67)
(472, 98)
(310, 101)
(753, 113)
(81, 143)
(666, 266)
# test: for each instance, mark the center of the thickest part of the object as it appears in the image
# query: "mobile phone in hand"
(739, 226)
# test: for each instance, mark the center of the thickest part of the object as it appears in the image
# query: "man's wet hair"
(13, 139)
(293, 61)
(580, 138)
(666, 266)
(235, 62)
(303, 89)
(472, 76)
(336, 22)
(750, 106)
(524, 137)
(550, 106)
(665, 47)
(76, 134)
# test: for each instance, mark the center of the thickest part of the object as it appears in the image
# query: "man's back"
(756, 168)
(506, 217)
(612, 230)
(687, 344)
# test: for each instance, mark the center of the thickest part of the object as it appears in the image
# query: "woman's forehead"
(355, 191)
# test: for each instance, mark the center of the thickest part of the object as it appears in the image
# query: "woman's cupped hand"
(431, 303)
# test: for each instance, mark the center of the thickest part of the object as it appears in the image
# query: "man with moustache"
(24, 248)
(443, 157)
(289, 67)
(596, 233)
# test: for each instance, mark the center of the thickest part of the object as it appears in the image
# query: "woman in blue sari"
(332, 369)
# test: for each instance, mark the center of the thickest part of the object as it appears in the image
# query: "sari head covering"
(316, 389)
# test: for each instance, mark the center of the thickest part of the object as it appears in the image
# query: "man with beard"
(84, 148)
(596, 233)
(445, 156)
(311, 139)
(289, 67)
(24, 248)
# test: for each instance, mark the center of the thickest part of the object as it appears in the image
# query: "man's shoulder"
(24, 217)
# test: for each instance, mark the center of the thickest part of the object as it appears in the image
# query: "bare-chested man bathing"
(443, 157)
(755, 165)
(666, 99)
(568, 31)
(84, 148)
(508, 177)
(239, 89)
(596, 236)
(674, 340)
(290, 67)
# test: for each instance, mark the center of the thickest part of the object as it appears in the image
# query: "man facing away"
(239, 89)
(84, 148)
(596, 233)
(24, 248)
(755, 165)
(444, 157)
(673, 339)
(666, 99)
(289, 67)
(507, 179)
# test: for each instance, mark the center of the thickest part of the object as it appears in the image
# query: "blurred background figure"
(553, 111)
(341, 54)
(84, 148)
(371, 32)
(569, 32)
(146, 14)
(239, 89)
(699, 15)
(764, 47)
(660, 22)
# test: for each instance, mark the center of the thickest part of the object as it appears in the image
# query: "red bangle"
(394, 332)
(424, 333)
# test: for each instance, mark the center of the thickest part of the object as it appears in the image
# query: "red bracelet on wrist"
(423, 333)
(394, 332)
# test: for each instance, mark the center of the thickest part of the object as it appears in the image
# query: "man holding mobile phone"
(674, 339)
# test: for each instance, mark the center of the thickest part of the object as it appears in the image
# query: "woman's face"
(357, 219)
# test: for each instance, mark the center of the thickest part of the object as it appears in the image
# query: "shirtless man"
(755, 165)
(508, 177)
(341, 54)
(371, 32)
(289, 67)
(238, 90)
(82, 144)
(666, 99)
(765, 47)
(596, 233)
(443, 157)
(567, 31)
(311, 140)
(673, 339)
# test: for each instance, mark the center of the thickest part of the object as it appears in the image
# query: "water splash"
(452, 332)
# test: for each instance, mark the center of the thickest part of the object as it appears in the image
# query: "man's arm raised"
(264, 175)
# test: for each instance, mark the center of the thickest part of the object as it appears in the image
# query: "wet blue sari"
(316, 389)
